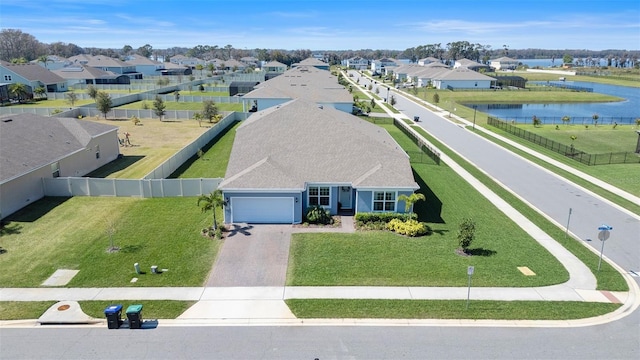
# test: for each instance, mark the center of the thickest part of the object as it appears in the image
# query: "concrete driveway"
(253, 255)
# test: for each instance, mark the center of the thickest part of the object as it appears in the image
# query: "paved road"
(543, 190)
(608, 341)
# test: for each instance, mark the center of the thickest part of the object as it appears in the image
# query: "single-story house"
(428, 60)
(32, 75)
(305, 82)
(357, 63)
(34, 147)
(83, 74)
(290, 157)
(471, 65)
(144, 65)
(504, 63)
(462, 78)
(107, 63)
(313, 62)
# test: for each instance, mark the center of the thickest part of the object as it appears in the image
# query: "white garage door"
(263, 210)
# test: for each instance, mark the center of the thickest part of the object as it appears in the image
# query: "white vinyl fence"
(142, 188)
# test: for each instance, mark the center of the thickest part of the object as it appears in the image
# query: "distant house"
(383, 66)
(462, 79)
(250, 61)
(357, 63)
(144, 65)
(106, 63)
(53, 62)
(504, 63)
(302, 82)
(428, 60)
(312, 155)
(313, 62)
(229, 65)
(82, 74)
(34, 147)
(32, 75)
(186, 61)
(471, 65)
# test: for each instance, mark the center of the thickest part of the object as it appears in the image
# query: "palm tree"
(40, 91)
(44, 59)
(410, 200)
(210, 203)
(19, 91)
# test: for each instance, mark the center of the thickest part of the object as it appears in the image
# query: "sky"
(329, 24)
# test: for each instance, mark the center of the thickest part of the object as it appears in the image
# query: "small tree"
(210, 203)
(566, 119)
(595, 118)
(466, 234)
(377, 91)
(201, 88)
(392, 101)
(373, 103)
(410, 200)
(198, 117)
(92, 92)
(209, 110)
(71, 98)
(135, 120)
(638, 122)
(176, 94)
(436, 98)
(18, 91)
(104, 103)
(159, 106)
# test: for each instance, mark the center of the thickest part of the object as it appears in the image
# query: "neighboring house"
(144, 65)
(274, 67)
(383, 66)
(80, 59)
(288, 158)
(34, 147)
(303, 82)
(462, 79)
(428, 60)
(250, 61)
(357, 63)
(53, 62)
(504, 63)
(471, 65)
(313, 62)
(31, 75)
(115, 66)
(186, 61)
(229, 65)
(82, 74)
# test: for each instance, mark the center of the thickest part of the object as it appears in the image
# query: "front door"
(345, 197)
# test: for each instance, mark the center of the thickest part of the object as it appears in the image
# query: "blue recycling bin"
(114, 316)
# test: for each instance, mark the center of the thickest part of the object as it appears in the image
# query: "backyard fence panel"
(191, 187)
(101, 187)
(56, 187)
(79, 187)
(171, 188)
(129, 188)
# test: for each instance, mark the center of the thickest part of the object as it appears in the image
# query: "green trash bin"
(134, 314)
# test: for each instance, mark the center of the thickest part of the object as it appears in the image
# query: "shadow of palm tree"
(7, 228)
(242, 229)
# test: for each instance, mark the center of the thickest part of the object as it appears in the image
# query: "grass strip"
(446, 309)
(152, 309)
(608, 278)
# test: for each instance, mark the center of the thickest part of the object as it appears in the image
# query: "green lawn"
(63, 104)
(60, 233)
(204, 93)
(387, 259)
(608, 278)
(152, 309)
(182, 105)
(446, 309)
(594, 139)
(213, 163)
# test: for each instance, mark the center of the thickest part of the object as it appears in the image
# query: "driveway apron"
(253, 255)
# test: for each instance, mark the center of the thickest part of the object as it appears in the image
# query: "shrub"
(466, 234)
(385, 217)
(318, 215)
(410, 227)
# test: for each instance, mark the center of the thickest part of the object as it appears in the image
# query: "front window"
(384, 201)
(319, 195)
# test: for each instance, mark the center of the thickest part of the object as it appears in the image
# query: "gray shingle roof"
(29, 141)
(80, 71)
(285, 147)
(34, 72)
(306, 82)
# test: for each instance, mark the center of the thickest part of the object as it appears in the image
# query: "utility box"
(114, 316)
(134, 314)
